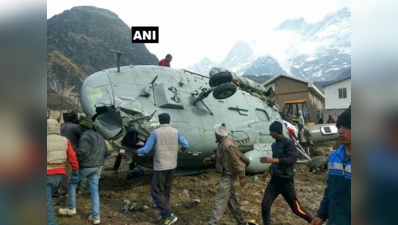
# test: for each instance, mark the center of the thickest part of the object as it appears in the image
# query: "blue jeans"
(93, 176)
(53, 182)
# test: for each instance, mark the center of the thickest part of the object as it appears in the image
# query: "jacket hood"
(53, 127)
(86, 122)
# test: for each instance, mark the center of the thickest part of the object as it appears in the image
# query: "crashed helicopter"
(125, 100)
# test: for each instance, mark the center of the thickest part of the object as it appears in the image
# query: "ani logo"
(145, 34)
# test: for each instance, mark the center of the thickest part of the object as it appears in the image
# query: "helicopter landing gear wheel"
(220, 78)
(224, 91)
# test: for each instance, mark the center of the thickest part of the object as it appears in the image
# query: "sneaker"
(170, 220)
(94, 221)
(67, 212)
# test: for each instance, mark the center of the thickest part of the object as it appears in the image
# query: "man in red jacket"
(59, 151)
(166, 61)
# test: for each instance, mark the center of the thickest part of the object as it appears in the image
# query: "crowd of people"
(85, 151)
(74, 152)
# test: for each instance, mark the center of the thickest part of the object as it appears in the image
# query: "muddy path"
(114, 189)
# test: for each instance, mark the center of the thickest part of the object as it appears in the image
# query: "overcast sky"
(191, 30)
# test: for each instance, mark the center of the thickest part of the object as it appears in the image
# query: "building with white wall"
(338, 94)
(337, 97)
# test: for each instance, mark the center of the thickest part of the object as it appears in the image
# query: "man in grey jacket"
(165, 141)
(91, 155)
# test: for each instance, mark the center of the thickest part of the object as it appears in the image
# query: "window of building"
(342, 92)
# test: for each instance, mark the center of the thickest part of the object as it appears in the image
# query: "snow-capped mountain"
(316, 51)
(331, 27)
(265, 65)
(203, 66)
(335, 26)
(325, 64)
(297, 25)
(240, 55)
(332, 52)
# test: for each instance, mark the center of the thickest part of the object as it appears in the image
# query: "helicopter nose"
(96, 98)
(96, 90)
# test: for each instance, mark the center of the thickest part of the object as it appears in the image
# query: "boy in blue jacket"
(336, 204)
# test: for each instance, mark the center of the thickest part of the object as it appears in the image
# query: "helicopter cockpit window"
(109, 123)
(262, 114)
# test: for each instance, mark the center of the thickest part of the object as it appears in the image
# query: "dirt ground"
(115, 188)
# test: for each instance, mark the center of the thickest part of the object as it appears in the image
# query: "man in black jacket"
(282, 173)
(70, 129)
(91, 153)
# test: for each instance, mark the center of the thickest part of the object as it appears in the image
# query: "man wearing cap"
(336, 203)
(231, 163)
(283, 159)
(165, 141)
(91, 155)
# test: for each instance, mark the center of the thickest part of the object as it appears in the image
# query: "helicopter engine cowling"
(255, 165)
